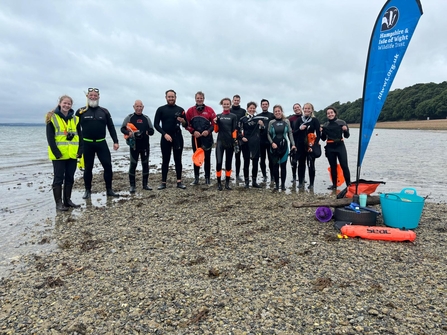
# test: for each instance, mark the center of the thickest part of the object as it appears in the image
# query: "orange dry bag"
(340, 177)
(198, 157)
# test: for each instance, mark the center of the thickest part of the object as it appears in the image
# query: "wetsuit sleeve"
(111, 126)
(81, 140)
(51, 140)
(189, 115)
(157, 120)
(150, 130)
(124, 125)
(317, 129)
(270, 133)
(346, 133)
(211, 119)
(290, 133)
(323, 133)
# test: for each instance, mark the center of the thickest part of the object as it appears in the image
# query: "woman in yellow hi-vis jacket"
(64, 147)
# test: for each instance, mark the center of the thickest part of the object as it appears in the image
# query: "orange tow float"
(378, 233)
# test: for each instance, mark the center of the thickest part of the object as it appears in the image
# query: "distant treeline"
(417, 102)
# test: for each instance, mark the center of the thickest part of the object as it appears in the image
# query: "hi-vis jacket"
(68, 149)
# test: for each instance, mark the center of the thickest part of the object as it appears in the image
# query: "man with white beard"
(94, 120)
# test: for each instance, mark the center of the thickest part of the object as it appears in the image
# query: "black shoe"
(332, 187)
(283, 187)
(196, 181)
(60, 206)
(147, 188)
(227, 184)
(87, 194)
(219, 186)
(238, 178)
(310, 187)
(301, 185)
(162, 186)
(70, 203)
(255, 185)
(264, 179)
(207, 181)
(180, 185)
(132, 189)
(110, 193)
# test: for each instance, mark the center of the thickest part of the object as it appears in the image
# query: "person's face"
(265, 106)
(170, 98)
(138, 107)
(307, 110)
(330, 114)
(236, 101)
(278, 113)
(226, 105)
(251, 109)
(93, 95)
(297, 109)
(199, 99)
(65, 104)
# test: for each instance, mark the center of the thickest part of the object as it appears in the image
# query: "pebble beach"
(199, 261)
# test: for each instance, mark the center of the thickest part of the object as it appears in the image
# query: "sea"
(400, 158)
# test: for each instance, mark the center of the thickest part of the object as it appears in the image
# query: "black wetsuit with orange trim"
(335, 148)
(227, 124)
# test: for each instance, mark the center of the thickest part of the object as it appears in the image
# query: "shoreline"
(440, 124)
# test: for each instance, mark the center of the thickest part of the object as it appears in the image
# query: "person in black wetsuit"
(249, 129)
(306, 130)
(94, 120)
(138, 141)
(264, 143)
(333, 132)
(239, 112)
(278, 131)
(297, 113)
(200, 120)
(172, 117)
(226, 127)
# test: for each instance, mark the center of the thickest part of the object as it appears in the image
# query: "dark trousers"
(255, 162)
(220, 150)
(176, 146)
(102, 151)
(265, 153)
(336, 151)
(207, 161)
(64, 171)
(134, 156)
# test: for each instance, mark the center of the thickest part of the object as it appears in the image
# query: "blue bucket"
(402, 210)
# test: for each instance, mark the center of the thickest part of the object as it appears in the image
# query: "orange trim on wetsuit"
(228, 173)
(219, 173)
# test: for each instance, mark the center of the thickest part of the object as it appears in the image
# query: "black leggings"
(177, 148)
(102, 151)
(220, 150)
(134, 156)
(336, 151)
(64, 171)
(246, 154)
(276, 167)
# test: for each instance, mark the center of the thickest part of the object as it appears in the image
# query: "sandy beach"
(199, 261)
(420, 124)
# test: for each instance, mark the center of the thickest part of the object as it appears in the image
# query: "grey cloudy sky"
(285, 51)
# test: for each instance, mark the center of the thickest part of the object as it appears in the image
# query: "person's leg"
(145, 166)
(105, 158)
(237, 158)
(134, 154)
(301, 169)
(196, 168)
(228, 165)
(70, 169)
(275, 171)
(219, 162)
(58, 179)
(165, 147)
(207, 166)
(283, 174)
(332, 160)
(262, 164)
(343, 159)
(311, 168)
(89, 159)
(254, 171)
(246, 156)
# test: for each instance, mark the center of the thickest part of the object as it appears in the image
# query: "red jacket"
(200, 120)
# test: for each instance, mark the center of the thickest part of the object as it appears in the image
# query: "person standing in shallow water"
(65, 145)
(264, 142)
(240, 112)
(94, 121)
(200, 119)
(297, 113)
(226, 127)
(139, 139)
(333, 132)
(278, 131)
(172, 118)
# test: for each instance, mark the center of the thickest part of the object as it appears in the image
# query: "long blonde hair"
(50, 114)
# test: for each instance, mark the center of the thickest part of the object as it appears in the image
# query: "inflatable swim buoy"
(340, 176)
(378, 233)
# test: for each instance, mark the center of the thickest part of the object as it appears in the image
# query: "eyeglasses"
(93, 90)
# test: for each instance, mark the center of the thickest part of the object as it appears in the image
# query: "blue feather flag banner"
(390, 37)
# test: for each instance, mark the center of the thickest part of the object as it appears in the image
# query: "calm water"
(401, 158)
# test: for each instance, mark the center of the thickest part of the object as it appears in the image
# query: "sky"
(286, 51)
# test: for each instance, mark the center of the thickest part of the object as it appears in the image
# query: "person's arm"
(269, 134)
(51, 133)
(111, 127)
(317, 129)
(290, 133)
(346, 133)
(81, 140)
(157, 120)
(150, 130)
(189, 115)
(124, 129)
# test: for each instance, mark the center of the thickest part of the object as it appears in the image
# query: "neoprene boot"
(110, 193)
(67, 197)
(227, 183)
(196, 180)
(219, 183)
(207, 181)
(254, 183)
(145, 183)
(283, 186)
(87, 194)
(57, 193)
(247, 183)
(293, 176)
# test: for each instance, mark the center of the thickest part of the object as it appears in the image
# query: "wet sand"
(420, 124)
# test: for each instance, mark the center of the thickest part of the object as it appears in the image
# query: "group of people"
(263, 139)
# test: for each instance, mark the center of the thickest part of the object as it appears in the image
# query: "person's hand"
(168, 138)
(303, 126)
(131, 134)
(116, 146)
(274, 146)
(260, 123)
(344, 128)
(196, 134)
(215, 120)
(180, 119)
(244, 139)
(293, 148)
(205, 133)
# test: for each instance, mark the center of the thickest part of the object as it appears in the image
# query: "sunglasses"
(93, 90)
